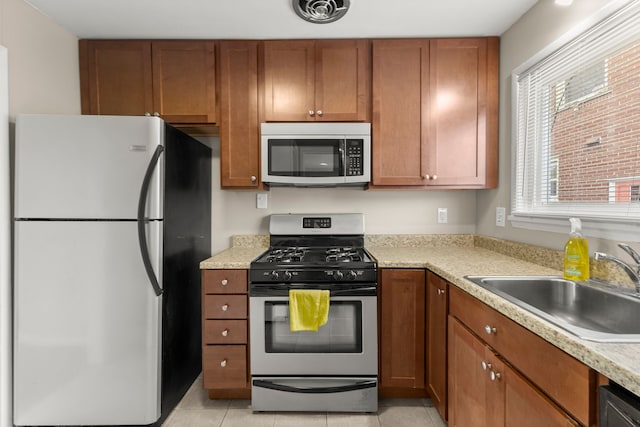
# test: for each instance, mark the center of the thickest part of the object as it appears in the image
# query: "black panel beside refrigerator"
(187, 241)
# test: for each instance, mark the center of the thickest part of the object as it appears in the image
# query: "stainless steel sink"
(589, 310)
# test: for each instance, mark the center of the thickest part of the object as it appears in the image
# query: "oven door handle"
(361, 385)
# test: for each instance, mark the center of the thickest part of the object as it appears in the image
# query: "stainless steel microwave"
(316, 154)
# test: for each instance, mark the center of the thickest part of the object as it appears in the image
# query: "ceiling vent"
(321, 11)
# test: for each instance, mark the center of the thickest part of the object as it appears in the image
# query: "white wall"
(539, 27)
(43, 62)
(397, 212)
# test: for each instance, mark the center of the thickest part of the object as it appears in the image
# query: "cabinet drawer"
(224, 281)
(224, 366)
(225, 332)
(225, 306)
(559, 375)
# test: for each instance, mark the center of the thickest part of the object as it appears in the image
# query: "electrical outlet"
(500, 216)
(442, 215)
(261, 200)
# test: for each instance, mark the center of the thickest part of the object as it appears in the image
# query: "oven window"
(341, 334)
(304, 157)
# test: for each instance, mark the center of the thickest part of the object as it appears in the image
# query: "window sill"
(604, 228)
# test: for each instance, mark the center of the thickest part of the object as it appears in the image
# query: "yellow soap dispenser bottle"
(576, 253)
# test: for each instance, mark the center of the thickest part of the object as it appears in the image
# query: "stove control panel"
(313, 275)
(316, 222)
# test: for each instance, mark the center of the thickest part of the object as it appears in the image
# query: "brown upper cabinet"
(173, 79)
(317, 80)
(435, 112)
(239, 122)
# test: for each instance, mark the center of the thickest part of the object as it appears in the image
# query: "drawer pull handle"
(312, 113)
(225, 332)
(224, 282)
(490, 330)
(493, 376)
(440, 291)
(223, 363)
(485, 365)
(225, 307)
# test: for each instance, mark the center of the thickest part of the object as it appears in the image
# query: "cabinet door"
(184, 89)
(471, 401)
(239, 124)
(116, 77)
(342, 84)
(402, 316)
(525, 406)
(289, 80)
(436, 369)
(400, 111)
(463, 122)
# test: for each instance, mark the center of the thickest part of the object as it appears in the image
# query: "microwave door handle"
(361, 385)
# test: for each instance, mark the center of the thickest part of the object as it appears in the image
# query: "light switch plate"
(442, 216)
(261, 200)
(500, 216)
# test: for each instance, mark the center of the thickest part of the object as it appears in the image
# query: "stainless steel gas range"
(335, 368)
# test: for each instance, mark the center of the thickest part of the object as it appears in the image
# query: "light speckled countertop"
(452, 258)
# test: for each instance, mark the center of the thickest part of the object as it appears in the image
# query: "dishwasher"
(618, 407)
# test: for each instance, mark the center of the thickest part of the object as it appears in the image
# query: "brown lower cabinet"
(501, 374)
(225, 331)
(436, 352)
(402, 332)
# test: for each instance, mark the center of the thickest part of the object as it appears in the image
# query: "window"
(584, 84)
(577, 127)
(553, 180)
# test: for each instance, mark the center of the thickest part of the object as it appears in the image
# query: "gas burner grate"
(286, 255)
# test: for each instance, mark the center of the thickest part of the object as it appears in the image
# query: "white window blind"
(577, 126)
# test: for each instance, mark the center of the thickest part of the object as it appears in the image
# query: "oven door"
(345, 345)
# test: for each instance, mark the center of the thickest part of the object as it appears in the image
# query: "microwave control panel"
(354, 157)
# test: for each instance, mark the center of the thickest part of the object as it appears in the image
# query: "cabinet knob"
(319, 112)
(225, 307)
(224, 282)
(426, 176)
(223, 363)
(440, 291)
(225, 332)
(493, 376)
(253, 178)
(485, 365)
(147, 114)
(490, 330)
(312, 113)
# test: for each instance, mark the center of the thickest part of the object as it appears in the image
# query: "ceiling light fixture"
(320, 11)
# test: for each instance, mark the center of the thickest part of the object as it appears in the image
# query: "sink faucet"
(634, 274)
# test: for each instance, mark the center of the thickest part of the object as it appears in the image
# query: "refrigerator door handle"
(142, 205)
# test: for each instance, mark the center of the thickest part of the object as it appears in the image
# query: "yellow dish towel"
(308, 309)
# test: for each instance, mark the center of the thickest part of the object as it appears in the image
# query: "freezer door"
(85, 166)
(87, 325)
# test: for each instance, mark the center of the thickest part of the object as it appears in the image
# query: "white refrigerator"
(111, 218)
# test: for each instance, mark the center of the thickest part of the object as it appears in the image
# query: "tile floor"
(197, 410)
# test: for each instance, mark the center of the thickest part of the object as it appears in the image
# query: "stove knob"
(274, 275)
(353, 275)
(338, 275)
(287, 275)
